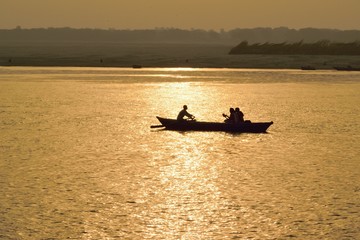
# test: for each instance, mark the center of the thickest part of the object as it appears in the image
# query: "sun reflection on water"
(189, 198)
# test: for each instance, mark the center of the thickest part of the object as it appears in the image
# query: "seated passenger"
(239, 116)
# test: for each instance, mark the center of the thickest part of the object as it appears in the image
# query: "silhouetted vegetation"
(174, 35)
(110, 35)
(170, 47)
(299, 48)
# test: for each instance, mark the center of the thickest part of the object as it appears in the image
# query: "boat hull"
(245, 127)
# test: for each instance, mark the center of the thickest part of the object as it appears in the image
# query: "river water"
(78, 159)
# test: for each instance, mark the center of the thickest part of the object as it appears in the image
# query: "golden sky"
(184, 14)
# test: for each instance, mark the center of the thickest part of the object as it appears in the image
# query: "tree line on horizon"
(323, 47)
(174, 35)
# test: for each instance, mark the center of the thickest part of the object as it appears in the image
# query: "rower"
(184, 113)
(231, 118)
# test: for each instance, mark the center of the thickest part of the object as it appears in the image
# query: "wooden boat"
(244, 127)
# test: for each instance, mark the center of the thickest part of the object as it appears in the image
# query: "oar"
(156, 126)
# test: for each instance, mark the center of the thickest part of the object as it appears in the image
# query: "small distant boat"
(244, 127)
(308, 68)
(136, 66)
(347, 68)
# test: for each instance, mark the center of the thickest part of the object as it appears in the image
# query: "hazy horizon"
(174, 28)
(207, 15)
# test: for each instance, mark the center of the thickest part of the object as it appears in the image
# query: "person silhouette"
(231, 118)
(184, 113)
(238, 115)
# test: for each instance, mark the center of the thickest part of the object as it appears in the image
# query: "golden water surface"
(78, 159)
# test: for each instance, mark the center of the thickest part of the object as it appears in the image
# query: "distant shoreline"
(304, 62)
(304, 67)
(158, 55)
(299, 48)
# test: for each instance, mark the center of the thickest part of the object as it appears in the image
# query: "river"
(78, 159)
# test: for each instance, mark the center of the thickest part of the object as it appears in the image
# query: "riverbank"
(82, 54)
